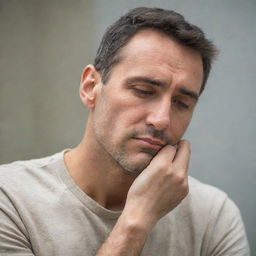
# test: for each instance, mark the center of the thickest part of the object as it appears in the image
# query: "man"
(125, 190)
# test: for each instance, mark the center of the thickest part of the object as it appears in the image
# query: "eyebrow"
(156, 82)
(145, 79)
(189, 93)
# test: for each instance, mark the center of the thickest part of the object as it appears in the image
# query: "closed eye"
(181, 104)
(143, 92)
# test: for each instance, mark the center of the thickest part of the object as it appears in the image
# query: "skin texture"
(132, 157)
(130, 114)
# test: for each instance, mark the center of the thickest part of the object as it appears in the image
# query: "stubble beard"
(120, 155)
(126, 164)
(129, 165)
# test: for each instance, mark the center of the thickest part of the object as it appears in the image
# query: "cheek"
(179, 126)
(125, 120)
(125, 112)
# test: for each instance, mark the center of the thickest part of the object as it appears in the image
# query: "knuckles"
(185, 189)
(179, 178)
(170, 171)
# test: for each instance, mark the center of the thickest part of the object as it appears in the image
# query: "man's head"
(144, 95)
(168, 22)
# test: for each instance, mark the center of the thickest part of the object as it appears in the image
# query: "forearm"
(127, 238)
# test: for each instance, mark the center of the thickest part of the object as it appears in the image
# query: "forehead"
(151, 53)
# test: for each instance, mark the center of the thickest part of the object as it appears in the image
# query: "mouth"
(150, 142)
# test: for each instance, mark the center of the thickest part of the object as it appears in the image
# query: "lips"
(151, 142)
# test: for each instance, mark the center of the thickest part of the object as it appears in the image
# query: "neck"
(98, 175)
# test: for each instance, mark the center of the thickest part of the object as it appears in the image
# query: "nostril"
(159, 122)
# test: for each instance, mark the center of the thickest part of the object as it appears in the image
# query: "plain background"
(44, 45)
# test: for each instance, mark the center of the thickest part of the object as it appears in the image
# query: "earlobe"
(89, 85)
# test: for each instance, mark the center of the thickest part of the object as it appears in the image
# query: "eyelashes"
(181, 104)
(143, 92)
(147, 93)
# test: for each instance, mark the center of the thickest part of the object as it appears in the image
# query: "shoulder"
(208, 194)
(215, 219)
(23, 173)
(207, 204)
(210, 197)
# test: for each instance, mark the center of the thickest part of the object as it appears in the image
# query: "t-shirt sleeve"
(226, 232)
(14, 238)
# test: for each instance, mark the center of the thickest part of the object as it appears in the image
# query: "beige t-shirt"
(44, 213)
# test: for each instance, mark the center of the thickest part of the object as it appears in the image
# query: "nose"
(159, 115)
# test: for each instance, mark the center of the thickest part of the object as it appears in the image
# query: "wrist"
(127, 237)
(134, 223)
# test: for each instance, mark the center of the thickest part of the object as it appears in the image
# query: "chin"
(137, 164)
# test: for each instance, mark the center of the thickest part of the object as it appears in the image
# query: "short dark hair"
(168, 22)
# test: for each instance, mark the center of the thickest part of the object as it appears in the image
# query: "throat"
(107, 185)
(109, 192)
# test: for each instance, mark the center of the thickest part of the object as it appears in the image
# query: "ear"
(89, 86)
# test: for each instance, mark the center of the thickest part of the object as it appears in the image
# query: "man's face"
(148, 100)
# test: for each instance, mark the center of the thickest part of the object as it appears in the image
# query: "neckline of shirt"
(63, 173)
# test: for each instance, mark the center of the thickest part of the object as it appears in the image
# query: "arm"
(13, 235)
(127, 238)
(154, 193)
(226, 233)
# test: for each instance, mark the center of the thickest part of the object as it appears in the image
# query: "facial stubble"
(120, 155)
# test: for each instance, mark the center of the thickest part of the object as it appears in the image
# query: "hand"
(160, 187)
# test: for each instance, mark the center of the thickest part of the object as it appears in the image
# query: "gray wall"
(45, 44)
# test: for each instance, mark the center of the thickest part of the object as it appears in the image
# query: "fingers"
(165, 155)
(182, 156)
(173, 159)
